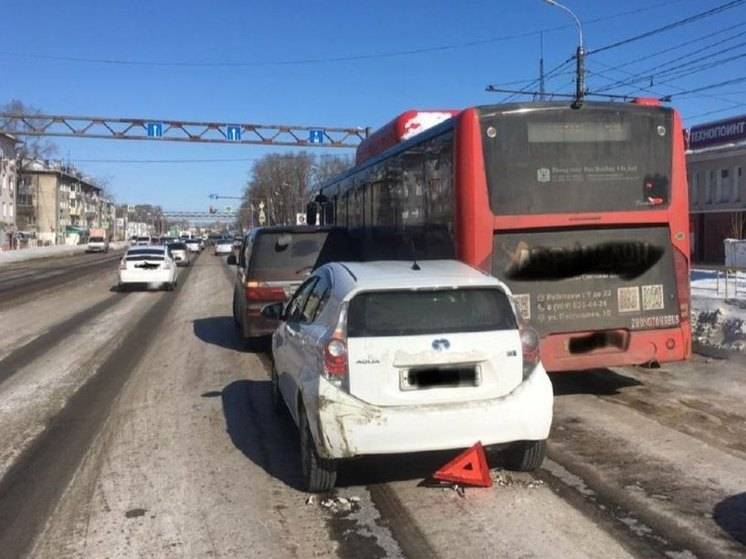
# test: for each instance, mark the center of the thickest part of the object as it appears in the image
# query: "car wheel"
(277, 403)
(526, 456)
(319, 474)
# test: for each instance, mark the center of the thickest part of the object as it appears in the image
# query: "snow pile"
(24, 254)
(719, 309)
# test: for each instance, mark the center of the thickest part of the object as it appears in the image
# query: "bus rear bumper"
(586, 350)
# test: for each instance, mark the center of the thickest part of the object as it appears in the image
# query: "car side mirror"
(274, 311)
(231, 260)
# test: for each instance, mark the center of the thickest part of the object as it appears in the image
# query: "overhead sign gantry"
(70, 126)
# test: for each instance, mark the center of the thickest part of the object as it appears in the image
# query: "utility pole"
(541, 67)
(579, 56)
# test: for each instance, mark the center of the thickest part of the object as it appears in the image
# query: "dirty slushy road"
(135, 425)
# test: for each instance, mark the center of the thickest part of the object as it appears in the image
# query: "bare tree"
(282, 183)
(33, 147)
(104, 183)
(737, 225)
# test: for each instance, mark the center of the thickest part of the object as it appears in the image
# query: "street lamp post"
(579, 56)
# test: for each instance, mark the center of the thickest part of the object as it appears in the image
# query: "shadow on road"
(601, 382)
(730, 515)
(267, 438)
(270, 440)
(221, 331)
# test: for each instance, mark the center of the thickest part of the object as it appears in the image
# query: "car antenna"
(415, 266)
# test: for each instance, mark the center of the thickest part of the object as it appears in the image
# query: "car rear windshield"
(177, 246)
(96, 240)
(411, 313)
(291, 256)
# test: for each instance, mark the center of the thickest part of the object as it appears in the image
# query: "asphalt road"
(136, 425)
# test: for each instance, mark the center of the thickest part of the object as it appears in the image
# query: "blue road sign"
(233, 133)
(155, 129)
(316, 136)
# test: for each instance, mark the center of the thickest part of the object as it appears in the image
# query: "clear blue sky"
(362, 92)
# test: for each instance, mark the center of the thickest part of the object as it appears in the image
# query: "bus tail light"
(530, 346)
(681, 269)
(260, 291)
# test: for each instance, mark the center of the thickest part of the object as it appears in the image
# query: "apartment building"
(8, 178)
(59, 204)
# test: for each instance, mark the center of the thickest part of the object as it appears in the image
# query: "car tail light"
(335, 358)
(681, 269)
(530, 346)
(166, 265)
(336, 367)
(123, 264)
(260, 291)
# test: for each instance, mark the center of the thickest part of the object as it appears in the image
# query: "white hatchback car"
(223, 247)
(142, 265)
(396, 357)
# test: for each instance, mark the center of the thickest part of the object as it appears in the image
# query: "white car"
(193, 245)
(223, 247)
(179, 253)
(396, 357)
(147, 265)
(97, 244)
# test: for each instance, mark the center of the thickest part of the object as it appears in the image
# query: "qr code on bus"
(628, 299)
(523, 302)
(652, 297)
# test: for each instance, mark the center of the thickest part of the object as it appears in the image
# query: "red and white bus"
(582, 212)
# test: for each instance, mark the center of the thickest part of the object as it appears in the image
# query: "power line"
(666, 69)
(716, 111)
(647, 90)
(709, 86)
(679, 45)
(685, 21)
(346, 58)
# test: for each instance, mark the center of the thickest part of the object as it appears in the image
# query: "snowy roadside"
(718, 312)
(24, 254)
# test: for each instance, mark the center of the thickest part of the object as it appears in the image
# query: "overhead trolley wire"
(664, 69)
(673, 25)
(697, 39)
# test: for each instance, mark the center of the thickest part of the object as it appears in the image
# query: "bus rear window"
(556, 159)
(411, 313)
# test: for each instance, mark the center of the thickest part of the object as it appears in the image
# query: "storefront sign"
(717, 133)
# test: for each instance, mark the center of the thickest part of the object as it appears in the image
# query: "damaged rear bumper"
(346, 426)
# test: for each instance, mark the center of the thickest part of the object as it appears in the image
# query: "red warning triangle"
(468, 468)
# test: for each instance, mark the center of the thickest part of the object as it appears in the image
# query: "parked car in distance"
(391, 357)
(193, 245)
(97, 244)
(272, 262)
(223, 246)
(147, 265)
(179, 253)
